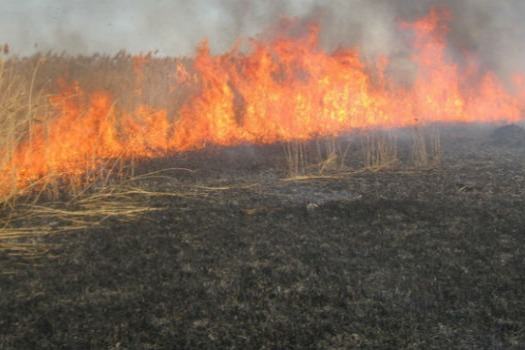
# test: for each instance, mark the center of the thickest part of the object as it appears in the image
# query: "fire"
(287, 88)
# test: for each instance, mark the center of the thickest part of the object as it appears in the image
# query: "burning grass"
(353, 176)
(106, 112)
(75, 130)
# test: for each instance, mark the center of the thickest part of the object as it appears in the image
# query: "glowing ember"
(286, 88)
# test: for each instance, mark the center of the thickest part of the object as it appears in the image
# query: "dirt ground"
(243, 259)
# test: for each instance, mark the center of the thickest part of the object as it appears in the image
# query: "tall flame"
(283, 89)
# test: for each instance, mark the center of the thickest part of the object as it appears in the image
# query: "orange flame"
(284, 89)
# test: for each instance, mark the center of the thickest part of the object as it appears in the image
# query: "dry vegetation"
(233, 256)
(26, 85)
(369, 242)
(370, 150)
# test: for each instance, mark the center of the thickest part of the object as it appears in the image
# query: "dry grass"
(59, 203)
(380, 150)
(426, 147)
(26, 85)
(17, 108)
(296, 157)
(371, 151)
(23, 226)
(332, 153)
(111, 190)
(322, 156)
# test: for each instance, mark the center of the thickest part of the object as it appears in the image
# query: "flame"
(284, 89)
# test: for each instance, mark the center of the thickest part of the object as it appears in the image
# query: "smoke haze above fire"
(493, 30)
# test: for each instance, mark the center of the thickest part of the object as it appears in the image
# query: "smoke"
(493, 30)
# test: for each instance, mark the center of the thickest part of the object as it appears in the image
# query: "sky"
(493, 29)
(172, 27)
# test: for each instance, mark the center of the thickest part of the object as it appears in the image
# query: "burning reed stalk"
(17, 111)
(23, 105)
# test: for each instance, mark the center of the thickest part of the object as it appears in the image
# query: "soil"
(244, 259)
(509, 135)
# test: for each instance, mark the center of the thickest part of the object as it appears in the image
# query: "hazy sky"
(171, 26)
(494, 29)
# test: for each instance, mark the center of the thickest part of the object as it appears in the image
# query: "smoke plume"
(492, 30)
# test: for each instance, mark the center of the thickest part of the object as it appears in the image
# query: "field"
(280, 198)
(227, 251)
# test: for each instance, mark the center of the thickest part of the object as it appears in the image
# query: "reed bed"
(27, 86)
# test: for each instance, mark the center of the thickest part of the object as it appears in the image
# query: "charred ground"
(240, 258)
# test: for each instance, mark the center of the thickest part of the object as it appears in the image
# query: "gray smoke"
(492, 29)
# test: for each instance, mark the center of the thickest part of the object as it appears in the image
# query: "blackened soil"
(399, 259)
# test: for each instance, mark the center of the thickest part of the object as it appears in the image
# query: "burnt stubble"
(392, 259)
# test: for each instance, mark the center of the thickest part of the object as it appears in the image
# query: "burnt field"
(235, 255)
